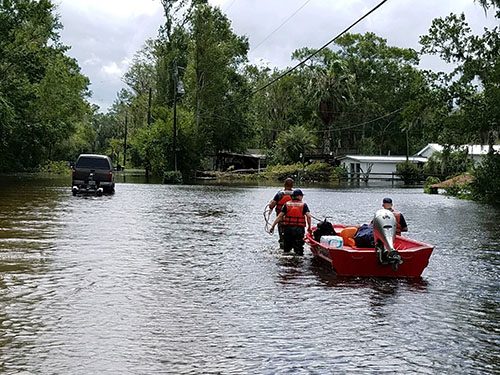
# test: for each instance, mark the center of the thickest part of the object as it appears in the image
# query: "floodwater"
(159, 279)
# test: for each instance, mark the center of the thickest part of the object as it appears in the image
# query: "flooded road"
(160, 279)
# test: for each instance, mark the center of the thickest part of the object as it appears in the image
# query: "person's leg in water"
(288, 238)
(298, 240)
(281, 232)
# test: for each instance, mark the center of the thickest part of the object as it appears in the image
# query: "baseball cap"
(387, 200)
(297, 192)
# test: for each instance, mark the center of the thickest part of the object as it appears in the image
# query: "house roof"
(471, 149)
(461, 180)
(384, 158)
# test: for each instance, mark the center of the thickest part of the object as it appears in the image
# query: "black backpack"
(324, 228)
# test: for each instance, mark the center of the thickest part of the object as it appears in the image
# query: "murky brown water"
(184, 280)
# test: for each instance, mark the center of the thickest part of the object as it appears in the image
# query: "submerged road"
(184, 280)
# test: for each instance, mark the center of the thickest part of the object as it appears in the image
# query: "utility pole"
(148, 166)
(175, 73)
(125, 140)
(149, 109)
(178, 89)
(407, 145)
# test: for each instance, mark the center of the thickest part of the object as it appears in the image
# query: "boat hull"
(352, 261)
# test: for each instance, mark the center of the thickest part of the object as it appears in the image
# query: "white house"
(378, 167)
(384, 167)
(476, 152)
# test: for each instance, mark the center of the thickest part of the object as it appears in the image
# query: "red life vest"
(286, 195)
(397, 215)
(294, 214)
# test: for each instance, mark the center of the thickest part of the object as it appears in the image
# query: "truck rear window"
(93, 163)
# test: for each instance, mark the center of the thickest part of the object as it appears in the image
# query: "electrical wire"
(320, 49)
(229, 6)
(310, 56)
(314, 131)
(280, 26)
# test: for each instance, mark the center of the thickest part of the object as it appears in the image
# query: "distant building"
(475, 152)
(253, 159)
(375, 167)
(384, 167)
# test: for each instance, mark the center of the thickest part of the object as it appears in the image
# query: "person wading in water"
(278, 202)
(294, 215)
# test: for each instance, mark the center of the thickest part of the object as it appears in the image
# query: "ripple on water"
(183, 279)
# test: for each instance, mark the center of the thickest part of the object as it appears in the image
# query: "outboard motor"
(384, 233)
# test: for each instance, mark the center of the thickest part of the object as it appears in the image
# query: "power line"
(317, 131)
(229, 6)
(320, 49)
(305, 60)
(280, 26)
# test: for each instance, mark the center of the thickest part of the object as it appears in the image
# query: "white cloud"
(105, 34)
(112, 69)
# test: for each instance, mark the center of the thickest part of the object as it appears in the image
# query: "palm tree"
(293, 142)
(332, 88)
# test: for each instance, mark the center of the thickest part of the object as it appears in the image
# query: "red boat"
(349, 260)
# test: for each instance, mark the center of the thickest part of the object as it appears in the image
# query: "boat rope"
(315, 218)
(267, 216)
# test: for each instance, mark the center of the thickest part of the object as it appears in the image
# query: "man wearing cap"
(278, 202)
(295, 214)
(401, 225)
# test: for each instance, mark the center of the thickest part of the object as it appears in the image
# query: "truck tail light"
(110, 175)
(74, 173)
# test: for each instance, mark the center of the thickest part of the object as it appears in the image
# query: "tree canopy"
(361, 95)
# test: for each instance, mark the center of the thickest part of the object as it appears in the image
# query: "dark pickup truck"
(93, 173)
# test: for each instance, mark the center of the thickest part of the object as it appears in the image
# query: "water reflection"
(182, 279)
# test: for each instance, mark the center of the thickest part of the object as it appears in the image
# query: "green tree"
(43, 93)
(472, 86)
(215, 89)
(293, 143)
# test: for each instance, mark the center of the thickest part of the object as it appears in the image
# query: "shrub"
(431, 181)
(309, 172)
(319, 172)
(486, 184)
(409, 172)
(56, 167)
(172, 177)
(341, 171)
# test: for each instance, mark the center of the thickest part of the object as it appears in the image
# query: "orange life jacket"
(397, 215)
(286, 195)
(294, 214)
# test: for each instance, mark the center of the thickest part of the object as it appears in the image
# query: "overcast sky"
(105, 34)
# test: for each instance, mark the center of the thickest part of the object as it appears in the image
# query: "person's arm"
(274, 201)
(308, 219)
(272, 204)
(307, 213)
(276, 221)
(404, 226)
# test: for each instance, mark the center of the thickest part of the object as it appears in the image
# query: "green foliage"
(431, 180)
(341, 172)
(292, 143)
(55, 167)
(367, 146)
(308, 172)
(319, 172)
(172, 177)
(457, 190)
(215, 90)
(448, 163)
(42, 90)
(409, 172)
(473, 85)
(486, 183)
